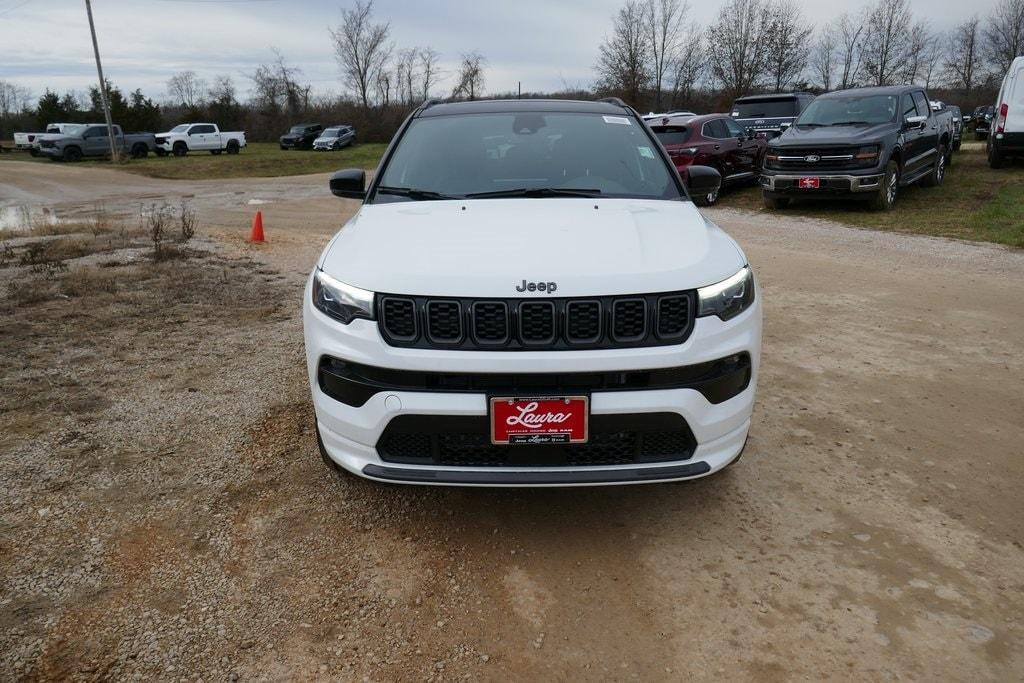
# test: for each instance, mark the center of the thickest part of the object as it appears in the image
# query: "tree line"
(654, 56)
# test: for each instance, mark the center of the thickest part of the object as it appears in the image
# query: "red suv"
(713, 140)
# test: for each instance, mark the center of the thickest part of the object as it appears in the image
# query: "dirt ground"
(165, 514)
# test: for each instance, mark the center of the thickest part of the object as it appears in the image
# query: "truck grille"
(536, 324)
(828, 159)
(465, 441)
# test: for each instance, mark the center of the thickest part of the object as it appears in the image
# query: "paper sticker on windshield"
(621, 120)
(646, 152)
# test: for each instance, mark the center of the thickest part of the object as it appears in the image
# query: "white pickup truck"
(198, 137)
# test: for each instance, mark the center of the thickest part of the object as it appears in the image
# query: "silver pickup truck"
(91, 140)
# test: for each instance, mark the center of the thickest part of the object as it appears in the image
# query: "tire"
(72, 154)
(180, 149)
(773, 202)
(938, 172)
(233, 147)
(885, 198)
(139, 151)
(995, 157)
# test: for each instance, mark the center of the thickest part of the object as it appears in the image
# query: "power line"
(11, 9)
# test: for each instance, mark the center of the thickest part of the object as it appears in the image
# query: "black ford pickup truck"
(862, 143)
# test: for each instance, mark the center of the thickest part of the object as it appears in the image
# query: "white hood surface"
(487, 247)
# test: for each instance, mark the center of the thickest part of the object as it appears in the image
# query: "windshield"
(765, 109)
(331, 133)
(849, 110)
(675, 135)
(182, 128)
(459, 155)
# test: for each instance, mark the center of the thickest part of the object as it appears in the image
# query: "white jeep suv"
(527, 297)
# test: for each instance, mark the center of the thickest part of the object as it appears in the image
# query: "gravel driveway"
(166, 515)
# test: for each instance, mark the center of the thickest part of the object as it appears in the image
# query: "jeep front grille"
(536, 324)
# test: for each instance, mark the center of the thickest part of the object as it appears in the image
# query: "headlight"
(727, 298)
(342, 302)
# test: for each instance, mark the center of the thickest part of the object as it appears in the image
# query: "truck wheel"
(884, 199)
(995, 157)
(180, 149)
(140, 151)
(72, 154)
(233, 147)
(938, 172)
(773, 202)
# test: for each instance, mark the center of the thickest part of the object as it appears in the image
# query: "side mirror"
(912, 122)
(702, 180)
(349, 183)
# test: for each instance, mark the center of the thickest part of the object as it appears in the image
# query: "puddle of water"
(256, 201)
(21, 218)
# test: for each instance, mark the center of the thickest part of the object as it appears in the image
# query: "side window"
(907, 107)
(206, 129)
(922, 104)
(95, 132)
(733, 128)
(715, 129)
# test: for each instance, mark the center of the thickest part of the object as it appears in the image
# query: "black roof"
(517, 105)
(773, 96)
(876, 90)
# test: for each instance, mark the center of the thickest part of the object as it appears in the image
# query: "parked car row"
(75, 141)
(315, 136)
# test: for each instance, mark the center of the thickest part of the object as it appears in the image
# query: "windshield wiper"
(850, 123)
(809, 125)
(413, 193)
(537, 192)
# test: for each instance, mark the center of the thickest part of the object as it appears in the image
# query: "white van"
(1007, 136)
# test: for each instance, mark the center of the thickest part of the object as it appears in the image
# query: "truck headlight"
(342, 302)
(727, 298)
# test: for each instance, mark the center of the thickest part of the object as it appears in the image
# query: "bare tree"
(736, 52)
(13, 98)
(361, 48)
(963, 64)
(886, 43)
(1004, 35)
(664, 27)
(932, 59)
(787, 42)
(919, 49)
(689, 67)
(407, 64)
(471, 76)
(823, 56)
(848, 33)
(429, 69)
(186, 88)
(222, 90)
(276, 86)
(623, 63)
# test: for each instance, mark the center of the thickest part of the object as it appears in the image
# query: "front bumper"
(350, 433)
(829, 183)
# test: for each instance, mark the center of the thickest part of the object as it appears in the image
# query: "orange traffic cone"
(257, 228)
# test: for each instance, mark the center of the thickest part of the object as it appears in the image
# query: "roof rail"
(617, 101)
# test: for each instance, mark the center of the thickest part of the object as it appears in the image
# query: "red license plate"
(810, 183)
(539, 420)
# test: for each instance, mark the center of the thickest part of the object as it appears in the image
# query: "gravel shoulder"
(167, 514)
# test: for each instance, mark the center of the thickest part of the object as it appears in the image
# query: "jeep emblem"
(548, 287)
(812, 158)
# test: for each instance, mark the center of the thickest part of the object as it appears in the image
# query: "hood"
(327, 137)
(488, 247)
(833, 135)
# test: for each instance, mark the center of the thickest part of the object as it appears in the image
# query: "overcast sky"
(544, 44)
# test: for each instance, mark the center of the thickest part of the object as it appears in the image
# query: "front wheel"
(180, 149)
(72, 154)
(885, 197)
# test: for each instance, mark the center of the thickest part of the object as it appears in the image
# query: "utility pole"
(103, 84)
